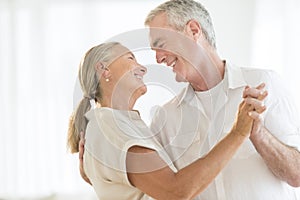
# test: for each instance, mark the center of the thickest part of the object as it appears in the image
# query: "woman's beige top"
(109, 135)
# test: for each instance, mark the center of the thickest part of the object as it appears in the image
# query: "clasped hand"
(249, 119)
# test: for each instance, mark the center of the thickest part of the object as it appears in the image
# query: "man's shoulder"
(258, 74)
(249, 69)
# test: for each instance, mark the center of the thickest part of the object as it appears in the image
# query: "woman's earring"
(107, 80)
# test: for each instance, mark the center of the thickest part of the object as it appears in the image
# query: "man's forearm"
(282, 160)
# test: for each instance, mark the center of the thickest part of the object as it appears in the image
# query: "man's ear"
(193, 29)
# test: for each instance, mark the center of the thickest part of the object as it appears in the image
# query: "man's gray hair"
(180, 12)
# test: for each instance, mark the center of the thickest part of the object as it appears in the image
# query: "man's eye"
(130, 57)
(161, 45)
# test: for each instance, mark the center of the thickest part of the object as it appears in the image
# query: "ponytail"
(77, 124)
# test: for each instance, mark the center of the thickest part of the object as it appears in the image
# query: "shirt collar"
(233, 78)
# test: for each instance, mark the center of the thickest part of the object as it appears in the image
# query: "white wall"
(233, 21)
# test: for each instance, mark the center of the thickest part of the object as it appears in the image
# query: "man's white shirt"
(192, 123)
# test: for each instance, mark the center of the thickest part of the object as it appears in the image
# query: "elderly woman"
(122, 158)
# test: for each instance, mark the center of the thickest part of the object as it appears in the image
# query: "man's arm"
(81, 151)
(282, 160)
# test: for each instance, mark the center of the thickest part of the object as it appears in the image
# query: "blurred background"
(42, 43)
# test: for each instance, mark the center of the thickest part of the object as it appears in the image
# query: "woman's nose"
(143, 69)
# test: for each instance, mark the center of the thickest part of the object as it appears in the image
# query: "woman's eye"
(130, 57)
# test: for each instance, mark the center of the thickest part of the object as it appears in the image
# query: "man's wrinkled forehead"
(160, 35)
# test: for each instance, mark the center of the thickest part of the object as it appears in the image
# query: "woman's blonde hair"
(90, 86)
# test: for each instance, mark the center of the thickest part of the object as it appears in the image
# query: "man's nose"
(160, 56)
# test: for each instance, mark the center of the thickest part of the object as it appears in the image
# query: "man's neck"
(210, 79)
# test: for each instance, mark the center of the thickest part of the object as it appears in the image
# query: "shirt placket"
(216, 136)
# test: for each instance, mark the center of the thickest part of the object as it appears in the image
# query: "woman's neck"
(118, 101)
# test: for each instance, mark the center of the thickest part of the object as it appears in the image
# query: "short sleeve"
(282, 116)
(154, 145)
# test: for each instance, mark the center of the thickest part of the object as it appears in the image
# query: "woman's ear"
(99, 67)
(193, 29)
(103, 72)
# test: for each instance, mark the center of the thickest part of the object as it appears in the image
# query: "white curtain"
(276, 40)
(40, 48)
(41, 44)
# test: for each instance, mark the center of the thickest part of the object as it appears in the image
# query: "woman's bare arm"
(148, 172)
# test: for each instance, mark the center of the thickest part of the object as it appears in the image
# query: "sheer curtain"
(37, 77)
(41, 44)
(276, 40)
